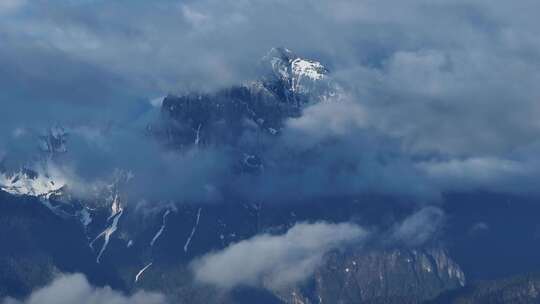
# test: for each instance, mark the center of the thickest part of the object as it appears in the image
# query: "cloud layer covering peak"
(442, 95)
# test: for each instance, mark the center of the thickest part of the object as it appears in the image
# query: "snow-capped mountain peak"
(289, 67)
(301, 76)
(305, 74)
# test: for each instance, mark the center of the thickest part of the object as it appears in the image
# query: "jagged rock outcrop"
(380, 276)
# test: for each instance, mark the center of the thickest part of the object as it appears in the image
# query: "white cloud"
(9, 6)
(420, 227)
(497, 174)
(327, 119)
(194, 17)
(75, 288)
(275, 261)
(479, 169)
(18, 132)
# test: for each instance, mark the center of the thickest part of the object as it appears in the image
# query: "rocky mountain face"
(153, 253)
(114, 243)
(37, 244)
(523, 289)
(380, 276)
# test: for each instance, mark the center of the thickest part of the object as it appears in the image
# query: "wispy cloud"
(276, 261)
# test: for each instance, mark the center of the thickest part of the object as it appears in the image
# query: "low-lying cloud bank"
(275, 261)
(74, 288)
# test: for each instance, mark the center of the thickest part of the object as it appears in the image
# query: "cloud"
(331, 150)
(507, 174)
(426, 104)
(325, 120)
(275, 261)
(158, 174)
(478, 229)
(99, 144)
(74, 288)
(10, 6)
(419, 228)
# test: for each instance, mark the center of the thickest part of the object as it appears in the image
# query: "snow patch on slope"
(304, 77)
(313, 70)
(32, 184)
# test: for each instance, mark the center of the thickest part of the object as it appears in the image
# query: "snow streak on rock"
(139, 274)
(160, 231)
(188, 241)
(106, 234)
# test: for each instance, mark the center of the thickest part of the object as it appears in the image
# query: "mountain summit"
(287, 85)
(299, 73)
